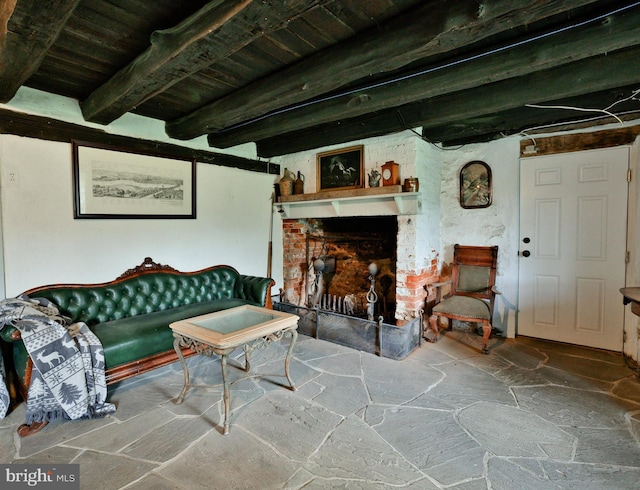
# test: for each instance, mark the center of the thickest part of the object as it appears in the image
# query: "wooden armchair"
(473, 277)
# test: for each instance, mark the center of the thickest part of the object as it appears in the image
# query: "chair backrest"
(473, 272)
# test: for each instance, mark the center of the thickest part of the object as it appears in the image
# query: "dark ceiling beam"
(28, 41)
(208, 36)
(531, 121)
(46, 128)
(582, 77)
(433, 28)
(610, 34)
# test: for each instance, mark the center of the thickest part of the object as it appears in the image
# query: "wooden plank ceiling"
(292, 75)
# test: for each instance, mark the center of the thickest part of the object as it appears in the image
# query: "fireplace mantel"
(373, 201)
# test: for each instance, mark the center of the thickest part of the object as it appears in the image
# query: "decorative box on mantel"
(373, 201)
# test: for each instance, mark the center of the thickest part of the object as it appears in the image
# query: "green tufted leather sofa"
(131, 315)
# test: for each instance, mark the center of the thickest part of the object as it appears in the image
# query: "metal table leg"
(185, 369)
(287, 360)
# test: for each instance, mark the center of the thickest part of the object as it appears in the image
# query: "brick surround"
(414, 268)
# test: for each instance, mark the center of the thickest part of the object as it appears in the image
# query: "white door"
(573, 226)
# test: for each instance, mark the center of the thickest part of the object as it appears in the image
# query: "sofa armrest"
(256, 289)
(9, 333)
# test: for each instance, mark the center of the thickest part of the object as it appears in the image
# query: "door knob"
(526, 253)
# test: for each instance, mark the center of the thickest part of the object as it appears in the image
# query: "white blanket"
(68, 379)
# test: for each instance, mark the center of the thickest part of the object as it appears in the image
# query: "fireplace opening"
(351, 265)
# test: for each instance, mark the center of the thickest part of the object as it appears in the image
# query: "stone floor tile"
(8, 448)
(346, 484)
(53, 455)
(458, 344)
(115, 437)
(196, 402)
(346, 364)
(627, 388)
(564, 378)
(506, 475)
(459, 467)
(238, 460)
(291, 424)
(352, 451)
(344, 395)
(95, 466)
(463, 385)
(606, 446)
(589, 368)
(526, 355)
(433, 442)
(308, 348)
(519, 376)
(167, 441)
(152, 481)
(570, 407)
(429, 354)
(300, 479)
(383, 376)
(550, 347)
(511, 431)
(575, 476)
(59, 432)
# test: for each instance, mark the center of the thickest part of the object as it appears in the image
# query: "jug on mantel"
(298, 184)
(286, 183)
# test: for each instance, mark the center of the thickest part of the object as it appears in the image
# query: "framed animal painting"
(341, 169)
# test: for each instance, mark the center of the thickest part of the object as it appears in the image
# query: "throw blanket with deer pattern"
(68, 380)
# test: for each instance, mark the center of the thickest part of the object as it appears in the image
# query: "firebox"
(328, 263)
(352, 266)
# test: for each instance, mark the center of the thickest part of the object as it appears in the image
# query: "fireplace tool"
(316, 289)
(385, 284)
(372, 296)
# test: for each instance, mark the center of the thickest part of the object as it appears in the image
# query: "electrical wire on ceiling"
(606, 112)
(422, 136)
(426, 71)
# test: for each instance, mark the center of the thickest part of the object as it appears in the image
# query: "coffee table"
(221, 333)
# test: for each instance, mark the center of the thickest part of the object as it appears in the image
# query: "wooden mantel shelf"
(373, 201)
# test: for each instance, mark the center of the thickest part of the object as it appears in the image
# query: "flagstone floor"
(531, 415)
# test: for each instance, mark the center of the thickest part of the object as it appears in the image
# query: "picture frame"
(475, 185)
(340, 169)
(116, 183)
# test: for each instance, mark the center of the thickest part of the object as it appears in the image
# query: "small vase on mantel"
(374, 178)
(298, 184)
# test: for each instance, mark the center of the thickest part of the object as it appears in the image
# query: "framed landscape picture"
(341, 169)
(112, 183)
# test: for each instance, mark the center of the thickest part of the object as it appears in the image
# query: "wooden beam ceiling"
(210, 35)
(292, 75)
(520, 58)
(569, 80)
(422, 32)
(27, 46)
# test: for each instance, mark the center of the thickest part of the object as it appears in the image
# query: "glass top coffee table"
(249, 327)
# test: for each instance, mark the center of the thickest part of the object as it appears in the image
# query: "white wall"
(496, 225)
(44, 244)
(443, 222)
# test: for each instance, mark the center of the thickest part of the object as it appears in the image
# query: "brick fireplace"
(349, 245)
